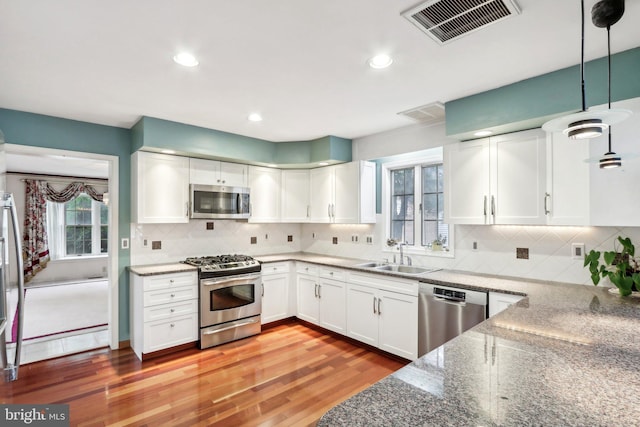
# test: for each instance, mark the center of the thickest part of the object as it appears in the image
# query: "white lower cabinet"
(382, 318)
(322, 299)
(499, 302)
(164, 311)
(275, 292)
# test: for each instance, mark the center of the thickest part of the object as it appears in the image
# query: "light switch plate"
(124, 243)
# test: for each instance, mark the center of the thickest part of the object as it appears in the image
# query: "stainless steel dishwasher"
(445, 312)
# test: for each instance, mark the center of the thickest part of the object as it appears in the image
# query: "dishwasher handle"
(449, 295)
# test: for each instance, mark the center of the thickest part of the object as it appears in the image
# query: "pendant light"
(587, 124)
(605, 13)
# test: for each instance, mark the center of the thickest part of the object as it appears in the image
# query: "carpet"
(61, 309)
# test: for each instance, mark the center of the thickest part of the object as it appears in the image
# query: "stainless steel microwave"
(219, 201)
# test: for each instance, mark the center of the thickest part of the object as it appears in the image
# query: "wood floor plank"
(287, 376)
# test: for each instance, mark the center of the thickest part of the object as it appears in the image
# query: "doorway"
(91, 277)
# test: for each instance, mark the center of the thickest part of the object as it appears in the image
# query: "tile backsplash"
(549, 248)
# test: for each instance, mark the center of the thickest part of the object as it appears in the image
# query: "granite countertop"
(155, 269)
(565, 355)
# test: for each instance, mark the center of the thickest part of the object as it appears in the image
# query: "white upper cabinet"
(160, 190)
(498, 180)
(343, 194)
(295, 195)
(213, 172)
(265, 186)
(567, 180)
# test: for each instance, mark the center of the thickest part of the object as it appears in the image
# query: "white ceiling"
(300, 63)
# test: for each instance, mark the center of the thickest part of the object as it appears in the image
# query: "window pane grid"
(433, 227)
(402, 205)
(86, 221)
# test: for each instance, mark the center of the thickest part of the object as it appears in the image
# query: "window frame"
(432, 156)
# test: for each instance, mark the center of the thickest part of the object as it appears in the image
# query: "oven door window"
(231, 297)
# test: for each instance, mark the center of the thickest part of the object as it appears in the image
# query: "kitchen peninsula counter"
(565, 355)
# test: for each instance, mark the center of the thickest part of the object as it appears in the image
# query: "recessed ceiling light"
(255, 117)
(380, 61)
(483, 133)
(186, 59)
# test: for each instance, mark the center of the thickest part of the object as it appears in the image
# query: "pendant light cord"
(609, 74)
(584, 103)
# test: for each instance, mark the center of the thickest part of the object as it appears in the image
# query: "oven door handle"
(248, 278)
(249, 322)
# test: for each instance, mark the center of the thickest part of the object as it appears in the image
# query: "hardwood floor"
(288, 375)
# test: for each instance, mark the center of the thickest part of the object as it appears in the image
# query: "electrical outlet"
(369, 240)
(313, 235)
(577, 250)
(335, 240)
(145, 243)
(266, 237)
(474, 246)
(124, 243)
(354, 238)
(522, 253)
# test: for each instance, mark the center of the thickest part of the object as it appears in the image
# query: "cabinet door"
(204, 172)
(346, 193)
(398, 327)
(520, 178)
(499, 302)
(367, 193)
(295, 195)
(264, 184)
(321, 184)
(233, 174)
(567, 180)
(362, 315)
(308, 305)
(467, 182)
(275, 301)
(333, 307)
(161, 190)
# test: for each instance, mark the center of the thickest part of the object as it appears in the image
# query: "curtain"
(35, 240)
(35, 248)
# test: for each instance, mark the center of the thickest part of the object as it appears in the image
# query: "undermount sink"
(371, 264)
(406, 269)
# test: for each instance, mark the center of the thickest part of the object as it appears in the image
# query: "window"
(417, 205)
(78, 227)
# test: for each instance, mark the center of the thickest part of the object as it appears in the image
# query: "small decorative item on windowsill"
(439, 243)
(621, 267)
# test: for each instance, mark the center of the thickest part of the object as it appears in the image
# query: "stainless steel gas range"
(230, 298)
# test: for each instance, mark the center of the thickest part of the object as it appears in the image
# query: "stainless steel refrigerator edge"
(8, 213)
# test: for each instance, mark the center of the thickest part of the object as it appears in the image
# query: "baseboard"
(124, 344)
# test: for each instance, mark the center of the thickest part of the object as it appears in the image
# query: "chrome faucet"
(400, 245)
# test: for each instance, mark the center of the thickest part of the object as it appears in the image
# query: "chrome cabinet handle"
(329, 210)
(493, 206)
(374, 305)
(308, 211)
(173, 325)
(546, 203)
(187, 212)
(319, 289)
(171, 280)
(173, 295)
(315, 290)
(379, 311)
(485, 206)
(173, 310)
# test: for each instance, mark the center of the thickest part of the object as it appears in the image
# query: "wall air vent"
(430, 113)
(448, 20)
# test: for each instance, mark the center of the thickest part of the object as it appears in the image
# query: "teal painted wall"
(51, 132)
(531, 102)
(156, 134)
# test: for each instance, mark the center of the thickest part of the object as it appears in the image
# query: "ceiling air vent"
(448, 20)
(430, 113)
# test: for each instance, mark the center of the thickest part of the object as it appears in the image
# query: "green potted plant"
(621, 266)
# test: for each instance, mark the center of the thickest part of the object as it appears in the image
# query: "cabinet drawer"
(152, 298)
(332, 273)
(168, 281)
(275, 268)
(170, 311)
(171, 332)
(403, 286)
(307, 269)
